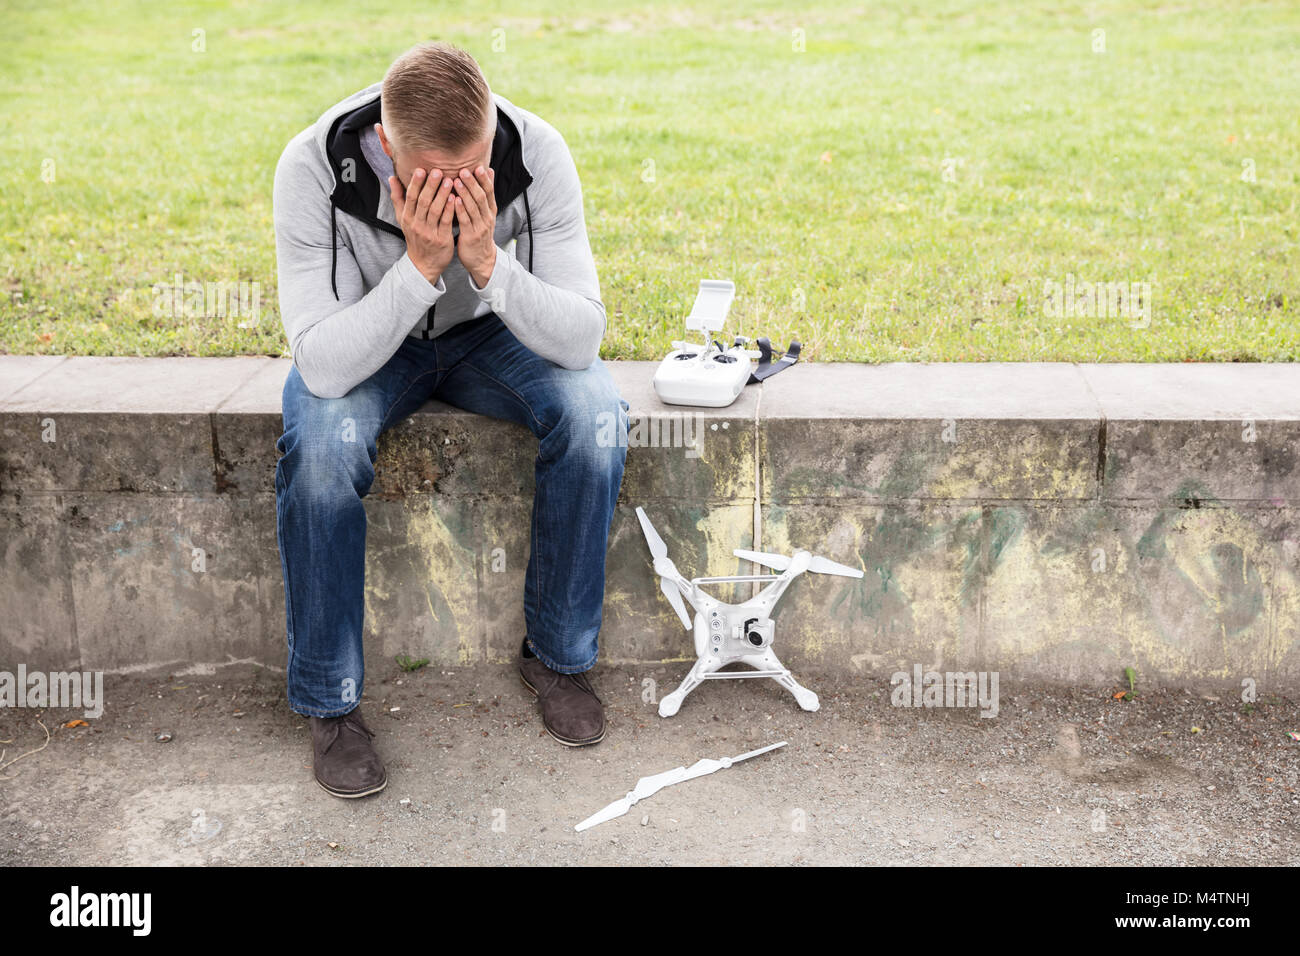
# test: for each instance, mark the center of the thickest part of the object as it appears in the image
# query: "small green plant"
(1130, 675)
(410, 664)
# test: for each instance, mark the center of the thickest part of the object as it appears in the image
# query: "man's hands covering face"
(424, 214)
(476, 212)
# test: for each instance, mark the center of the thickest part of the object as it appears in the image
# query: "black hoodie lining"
(359, 198)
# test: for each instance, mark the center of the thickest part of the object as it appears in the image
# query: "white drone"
(734, 633)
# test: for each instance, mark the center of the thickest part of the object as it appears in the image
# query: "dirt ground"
(1060, 776)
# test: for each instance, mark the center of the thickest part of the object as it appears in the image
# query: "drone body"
(734, 633)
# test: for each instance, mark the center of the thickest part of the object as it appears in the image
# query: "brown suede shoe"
(343, 757)
(571, 711)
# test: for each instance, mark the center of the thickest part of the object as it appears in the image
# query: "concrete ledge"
(1052, 520)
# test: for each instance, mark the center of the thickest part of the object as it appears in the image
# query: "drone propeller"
(818, 564)
(649, 786)
(664, 567)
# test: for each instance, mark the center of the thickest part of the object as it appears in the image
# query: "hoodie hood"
(357, 189)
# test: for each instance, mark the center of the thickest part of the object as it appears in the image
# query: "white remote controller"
(706, 375)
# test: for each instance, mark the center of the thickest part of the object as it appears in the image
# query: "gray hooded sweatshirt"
(349, 293)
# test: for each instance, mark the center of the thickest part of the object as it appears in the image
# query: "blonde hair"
(435, 96)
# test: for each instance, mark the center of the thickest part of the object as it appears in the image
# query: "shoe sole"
(352, 796)
(568, 743)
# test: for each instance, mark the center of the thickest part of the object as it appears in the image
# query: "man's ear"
(383, 140)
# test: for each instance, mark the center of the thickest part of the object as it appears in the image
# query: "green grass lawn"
(901, 188)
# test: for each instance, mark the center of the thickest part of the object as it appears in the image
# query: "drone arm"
(683, 585)
(773, 592)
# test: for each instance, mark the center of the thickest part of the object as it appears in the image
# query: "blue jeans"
(326, 467)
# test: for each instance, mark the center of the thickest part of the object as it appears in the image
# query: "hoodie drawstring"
(529, 214)
(334, 249)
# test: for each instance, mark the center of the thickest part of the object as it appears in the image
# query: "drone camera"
(757, 634)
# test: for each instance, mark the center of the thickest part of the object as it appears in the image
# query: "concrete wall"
(1050, 521)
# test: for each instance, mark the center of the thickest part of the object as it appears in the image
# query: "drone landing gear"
(765, 664)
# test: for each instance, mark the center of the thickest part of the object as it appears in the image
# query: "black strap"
(528, 213)
(766, 368)
(334, 248)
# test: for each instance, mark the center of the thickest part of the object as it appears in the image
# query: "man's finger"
(413, 195)
(448, 211)
(485, 181)
(466, 206)
(470, 184)
(427, 193)
(441, 196)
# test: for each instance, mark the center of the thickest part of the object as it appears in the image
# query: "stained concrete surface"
(1057, 521)
(1059, 776)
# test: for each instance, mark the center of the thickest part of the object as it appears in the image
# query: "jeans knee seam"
(383, 422)
(519, 398)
